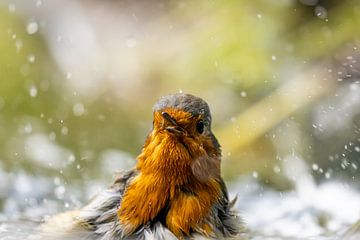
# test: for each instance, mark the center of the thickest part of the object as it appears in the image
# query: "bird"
(175, 191)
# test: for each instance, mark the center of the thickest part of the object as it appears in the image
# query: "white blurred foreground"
(318, 212)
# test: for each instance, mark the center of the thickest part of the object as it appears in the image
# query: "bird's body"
(175, 191)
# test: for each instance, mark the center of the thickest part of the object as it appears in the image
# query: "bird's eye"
(200, 126)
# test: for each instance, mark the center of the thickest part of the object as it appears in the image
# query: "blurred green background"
(78, 80)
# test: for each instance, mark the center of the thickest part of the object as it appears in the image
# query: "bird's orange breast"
(166, 182)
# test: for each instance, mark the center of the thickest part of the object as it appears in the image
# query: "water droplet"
(321, 12)
(64, 130)
(315, 167)
(31, 58)
(33, 91)
(255, 174)
(52, 136)
(78, 109)
(131, 42)
(273, 58)
(357, 149)
(71, 158)
(354, 166)
(28, 128)
(243, 94)
(39, 3)
(18, 45)
(276, 169)
(32, 27)
(60, 191)
(57, 181)
(12, 7)
(59, 38)
(259, 16)
(68, 75)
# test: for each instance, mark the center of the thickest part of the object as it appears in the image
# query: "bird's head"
(181, 138)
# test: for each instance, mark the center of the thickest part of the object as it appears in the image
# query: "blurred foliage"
(254, 61)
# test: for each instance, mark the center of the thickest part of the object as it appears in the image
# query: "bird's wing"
(96, 220)
(224, 219)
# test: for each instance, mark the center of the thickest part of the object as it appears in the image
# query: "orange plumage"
(175, 191)
(166, 167)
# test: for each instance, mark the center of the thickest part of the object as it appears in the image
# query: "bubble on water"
(33, 91)
(78, 109)
(131, 42)
(31, 58)
(32, 27)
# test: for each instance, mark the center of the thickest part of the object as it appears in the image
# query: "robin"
(174, 192)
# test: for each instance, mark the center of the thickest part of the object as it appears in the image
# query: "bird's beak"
(173, 127)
